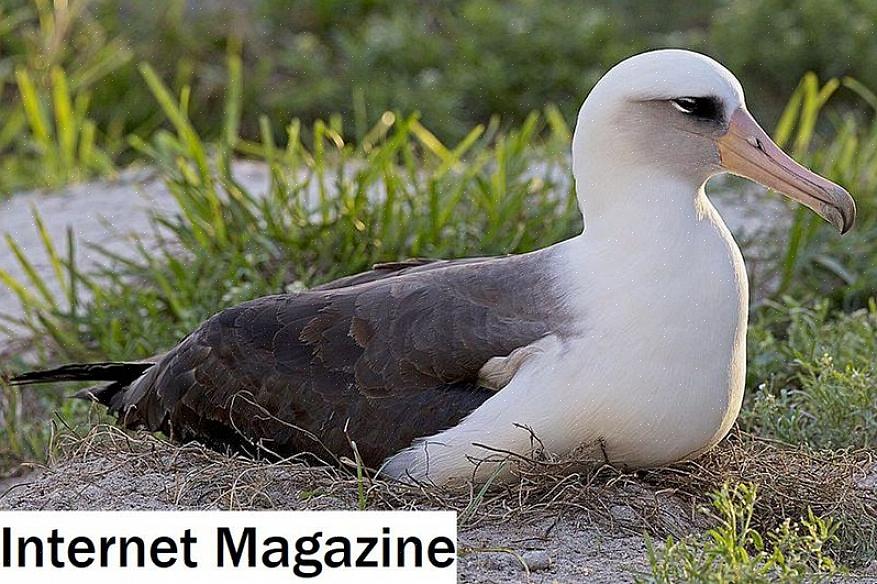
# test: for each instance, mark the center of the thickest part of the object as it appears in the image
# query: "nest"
(107, 468)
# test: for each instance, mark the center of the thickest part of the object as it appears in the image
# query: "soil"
(594, 535)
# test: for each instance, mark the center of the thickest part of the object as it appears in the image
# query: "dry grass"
(790, 479)
(107, 468)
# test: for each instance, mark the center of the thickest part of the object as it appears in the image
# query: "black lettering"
(188, 541)
(282, 552)
(370, 544)
(80, 545)
(105, 544)
(170, 547)
(307, 546)
(418, 551)
(434, 550)
(343, 551)
(55, 542)
(22, 551)
(385, 548)
(7, 547)
(248, 541)
(124, 542)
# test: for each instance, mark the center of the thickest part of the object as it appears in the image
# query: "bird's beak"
(746, 150)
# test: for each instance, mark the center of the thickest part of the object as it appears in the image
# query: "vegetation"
(332, 209)
(456, 62)
(50, 61)
(734, 551)
(86, 88)
(815, 374)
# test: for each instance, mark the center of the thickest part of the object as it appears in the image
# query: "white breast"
(662, 361)
(656, 372)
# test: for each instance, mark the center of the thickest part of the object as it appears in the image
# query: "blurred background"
(456, 62)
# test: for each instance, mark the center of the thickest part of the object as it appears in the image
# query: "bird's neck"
(653, 248)
(639, 204)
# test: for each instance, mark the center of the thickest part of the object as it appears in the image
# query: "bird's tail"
(118, 375)
(110, 371)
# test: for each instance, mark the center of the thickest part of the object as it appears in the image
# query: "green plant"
(458, 63)
(45, 129)
(25, 429)
(10, 414)
(799, 36)
(62, 145)
(329, 211)
(815, 375)
(735, 552)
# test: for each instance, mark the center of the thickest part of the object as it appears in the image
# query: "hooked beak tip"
(840, 210)
(849, 218)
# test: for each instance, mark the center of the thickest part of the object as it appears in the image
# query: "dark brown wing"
(391, 269)
(381, 361)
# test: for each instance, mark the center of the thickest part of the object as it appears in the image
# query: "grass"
(458, 63)
(47, 136)
(332, 208)
(815, 374)
(27, 427)
(61, 144)
(815, 263)
(734, 551)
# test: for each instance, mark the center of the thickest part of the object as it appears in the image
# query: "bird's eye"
(700, 107)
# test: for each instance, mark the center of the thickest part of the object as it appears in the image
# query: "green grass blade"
(178, 119)
(786, 125)
(109, 58)
(87, 153)
(33, 109)
(233, 98)
(64, 121)
(51, 251)
(863, 92)
(32, 275)
(13, 126)
(73, 275)
(28, 300)
(559, 128)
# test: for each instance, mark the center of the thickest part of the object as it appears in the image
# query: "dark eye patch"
(707, 108)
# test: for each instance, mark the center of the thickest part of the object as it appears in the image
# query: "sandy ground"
(594, 536)
(561, 545)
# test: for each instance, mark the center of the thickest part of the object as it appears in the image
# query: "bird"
(625, 342)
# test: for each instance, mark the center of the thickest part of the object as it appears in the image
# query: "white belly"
(655, 376)
(662, 369)
(651, 400)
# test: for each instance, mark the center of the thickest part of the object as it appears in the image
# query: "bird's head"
(681, 115)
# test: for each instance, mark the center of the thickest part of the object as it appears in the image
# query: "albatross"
(627, 340)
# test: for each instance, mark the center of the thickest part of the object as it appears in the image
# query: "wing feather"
(390, 355)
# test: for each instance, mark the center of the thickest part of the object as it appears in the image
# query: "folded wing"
(379, 359)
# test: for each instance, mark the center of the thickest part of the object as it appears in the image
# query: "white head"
(678, 117)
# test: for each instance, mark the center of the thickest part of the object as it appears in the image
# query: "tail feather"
(112, 395)
(117, 372)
